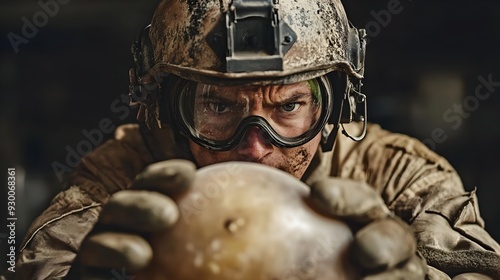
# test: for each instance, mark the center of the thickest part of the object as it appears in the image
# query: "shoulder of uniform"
(398, 166)
(381, 140)
(113, 165)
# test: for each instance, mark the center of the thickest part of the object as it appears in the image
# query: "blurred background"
(68, 71)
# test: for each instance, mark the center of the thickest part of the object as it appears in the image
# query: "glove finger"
(413, 269)
(139, 211)
(348, 199)
(169, 177)
(383, 244)
(112, 250)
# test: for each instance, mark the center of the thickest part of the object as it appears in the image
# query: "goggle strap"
(338, 81)
(329, 139)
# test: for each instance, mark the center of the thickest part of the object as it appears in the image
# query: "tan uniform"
(419, 186)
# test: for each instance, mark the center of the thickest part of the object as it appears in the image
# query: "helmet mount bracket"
(256, 38)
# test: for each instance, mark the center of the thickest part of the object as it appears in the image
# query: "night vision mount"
(255, 37)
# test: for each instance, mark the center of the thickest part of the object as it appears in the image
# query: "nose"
(255, 145)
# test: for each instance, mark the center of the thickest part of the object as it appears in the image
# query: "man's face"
(290, 109)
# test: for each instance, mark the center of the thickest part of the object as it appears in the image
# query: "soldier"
(270, 82)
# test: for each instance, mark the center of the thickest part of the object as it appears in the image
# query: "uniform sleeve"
(50, 250)
(424, 190)
(54, 238)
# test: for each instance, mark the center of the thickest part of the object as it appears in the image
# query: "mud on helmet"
(191, 45)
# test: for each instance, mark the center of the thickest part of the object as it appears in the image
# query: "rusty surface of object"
(245, 221)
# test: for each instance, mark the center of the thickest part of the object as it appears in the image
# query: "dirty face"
(291, 110)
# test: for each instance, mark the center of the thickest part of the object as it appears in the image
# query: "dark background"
(424, 59)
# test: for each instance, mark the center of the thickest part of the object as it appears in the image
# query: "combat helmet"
(244, 43)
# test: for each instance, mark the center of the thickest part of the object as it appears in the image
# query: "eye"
(218, 107)
(290, 107)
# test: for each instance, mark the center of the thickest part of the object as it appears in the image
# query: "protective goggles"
(217, 117)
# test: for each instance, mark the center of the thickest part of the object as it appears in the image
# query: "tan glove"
(116, 247)
(384, 247)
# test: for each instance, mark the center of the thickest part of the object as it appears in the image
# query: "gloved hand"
(384, 247)
(116, 246)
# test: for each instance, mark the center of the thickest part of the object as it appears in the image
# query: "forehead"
(270, 90)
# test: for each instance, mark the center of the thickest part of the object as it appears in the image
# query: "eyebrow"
(217, 96)
(295, 97)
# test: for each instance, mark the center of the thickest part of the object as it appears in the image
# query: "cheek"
(298, 159)
(312, 146)
(305, 152)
